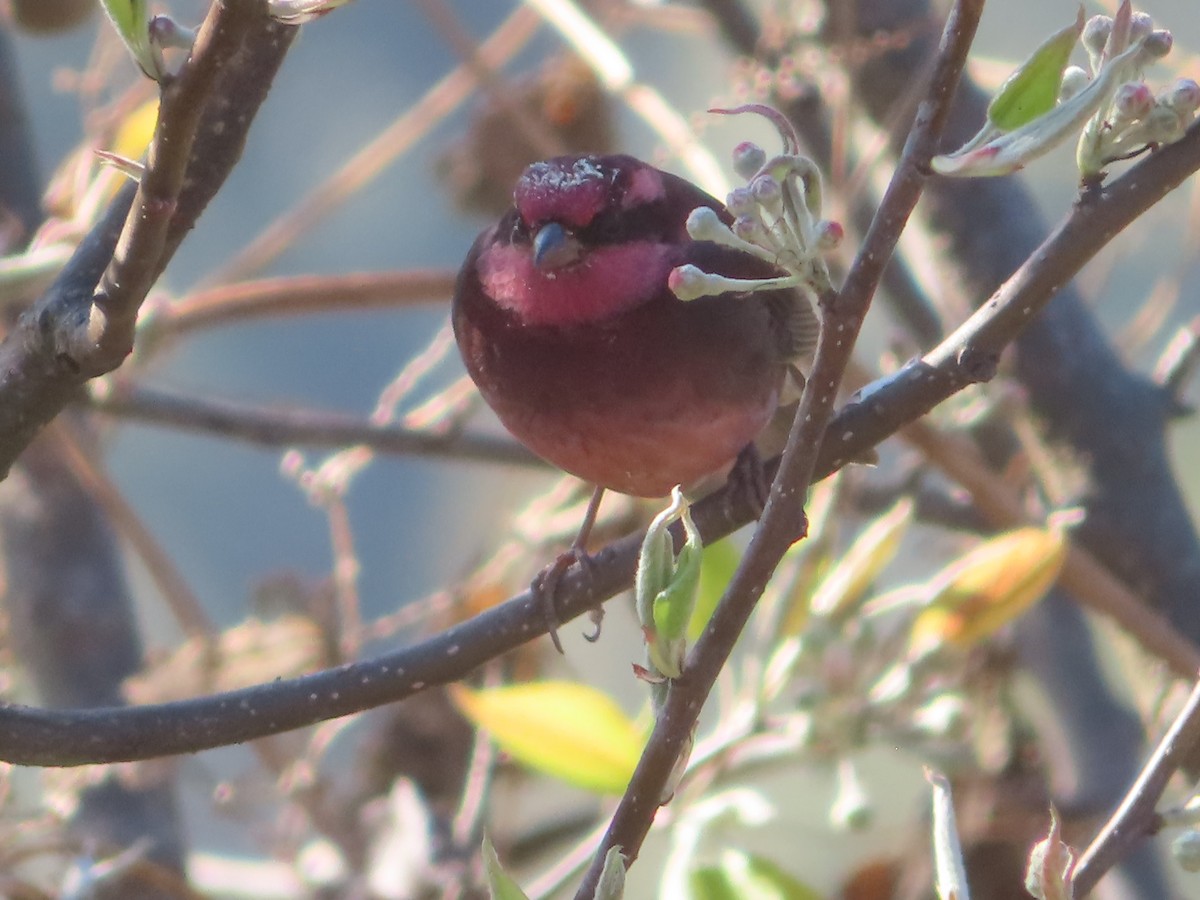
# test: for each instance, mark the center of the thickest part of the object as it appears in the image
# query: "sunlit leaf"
(847, 582)
(989, 587)
(1032, 90)
(743, 876)
(500, 884)
(566, 730)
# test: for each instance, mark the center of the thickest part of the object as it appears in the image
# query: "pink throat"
(606, 282)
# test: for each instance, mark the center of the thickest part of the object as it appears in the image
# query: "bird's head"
(588, 237)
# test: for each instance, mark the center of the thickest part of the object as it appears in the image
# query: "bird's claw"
(545, 590)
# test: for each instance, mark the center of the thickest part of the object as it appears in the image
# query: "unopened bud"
(1157, 45)
(829, 235)
(740, 202)
(768, 193)
(703, 224)
(1074, 80)
(688, 282)
(1095, 34)
(1140, 25)
(748, 158)
(751, 230)
(1183, 97)
(1132, 101)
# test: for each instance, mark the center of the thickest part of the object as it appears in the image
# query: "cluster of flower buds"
(777, 217)
(1135, 118)
(1046, 101)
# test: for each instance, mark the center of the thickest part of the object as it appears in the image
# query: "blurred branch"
(358, 171)
(83, 325)
(273, 427)
(292, 296)
(1136, 819)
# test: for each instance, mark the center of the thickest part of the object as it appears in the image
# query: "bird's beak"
(555, 247)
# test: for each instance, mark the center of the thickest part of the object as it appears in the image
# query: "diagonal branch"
(83, 325)
(1137, 818)
(783, 518)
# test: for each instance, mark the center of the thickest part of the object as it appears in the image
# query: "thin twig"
(136, 260)
(362, 168)
(291, 296)
(277, 428)
(180, 599)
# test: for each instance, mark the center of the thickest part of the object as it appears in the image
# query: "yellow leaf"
(134, 133)
(989, 587)
(566, 730)
(871, 551)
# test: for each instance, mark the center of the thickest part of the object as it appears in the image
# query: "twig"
(1135, 818)
(783, 518)
(136, 260)
(291, 296)
(358, 171)
(271, 427)
(183, 603)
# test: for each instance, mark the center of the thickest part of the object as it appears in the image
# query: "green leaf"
(132, 21)
(500, 884)
(674, 603)
(566, 730)
(1032, 90)
(743, 876)
(717, 565)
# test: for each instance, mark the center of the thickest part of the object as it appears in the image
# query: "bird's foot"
(545, 583)
(545, 591)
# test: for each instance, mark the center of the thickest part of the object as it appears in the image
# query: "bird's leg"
(748, 482)
(545, 583)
